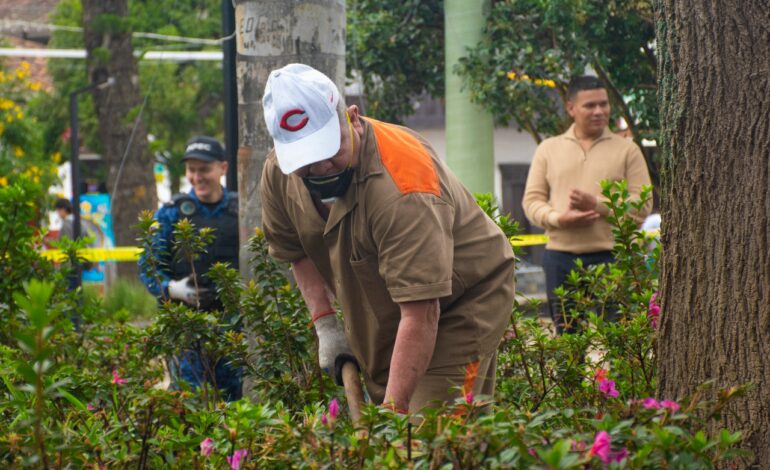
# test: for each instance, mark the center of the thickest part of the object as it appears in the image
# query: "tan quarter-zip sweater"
(560, 165)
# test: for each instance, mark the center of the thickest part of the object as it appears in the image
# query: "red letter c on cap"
(285, 120)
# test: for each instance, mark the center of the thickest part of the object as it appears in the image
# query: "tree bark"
(714, 92)
(122, 133)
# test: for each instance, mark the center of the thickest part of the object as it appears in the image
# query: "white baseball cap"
(300, 107)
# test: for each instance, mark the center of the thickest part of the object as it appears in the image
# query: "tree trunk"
(715, 282)
(271, 34)
(122, 133)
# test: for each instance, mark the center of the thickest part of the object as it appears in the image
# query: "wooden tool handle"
(353, 391)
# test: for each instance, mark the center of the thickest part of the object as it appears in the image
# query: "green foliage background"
(182, 99)
(96, 397)
(396, 47)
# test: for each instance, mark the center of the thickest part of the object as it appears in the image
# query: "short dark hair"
(62, 203)
(582, 83)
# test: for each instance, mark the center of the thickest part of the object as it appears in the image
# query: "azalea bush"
(98, 396)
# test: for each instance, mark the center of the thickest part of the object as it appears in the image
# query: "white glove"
(184, 290)
(333, 349)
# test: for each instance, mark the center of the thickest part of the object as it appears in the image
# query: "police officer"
(208, 204)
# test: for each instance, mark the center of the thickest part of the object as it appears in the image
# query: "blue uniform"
(223, 218)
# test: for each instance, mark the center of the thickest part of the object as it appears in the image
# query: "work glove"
(184, 290)
(333, 349)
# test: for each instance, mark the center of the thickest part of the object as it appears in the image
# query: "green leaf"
(72, 399)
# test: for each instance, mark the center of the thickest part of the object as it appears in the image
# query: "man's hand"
(184, 290)
(574, 218)
(582, 201)
(333, 349)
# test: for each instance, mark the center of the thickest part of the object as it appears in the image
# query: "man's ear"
(571, 108)
(355, 117)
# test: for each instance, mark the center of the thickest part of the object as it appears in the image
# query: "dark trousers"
(557, 266)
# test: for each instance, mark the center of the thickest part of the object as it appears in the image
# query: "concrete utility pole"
(271, 34)
(469, 144)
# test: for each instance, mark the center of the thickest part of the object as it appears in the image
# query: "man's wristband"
(325, 313)
(392, 407)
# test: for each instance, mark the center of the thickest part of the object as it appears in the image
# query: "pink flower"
(90, 407)
(324, 420)
(650, 403)
(619, 455)
(578, 446)
(117, 379)
(532, 452)
(207, 446)
(671, 405)
(653, 311)
(334, 409)
(601, 447)
(235, 460)
(469, 398)
(607, 387)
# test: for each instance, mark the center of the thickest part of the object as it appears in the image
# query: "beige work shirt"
(406, 230)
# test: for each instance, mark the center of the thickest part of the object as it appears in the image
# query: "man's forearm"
(312, 286)
(415, 342)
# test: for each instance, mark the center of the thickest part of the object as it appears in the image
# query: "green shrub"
(90, 399)
(130, 300)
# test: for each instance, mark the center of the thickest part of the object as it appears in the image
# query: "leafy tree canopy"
(530, 50)
(182, 99)
(396, 49)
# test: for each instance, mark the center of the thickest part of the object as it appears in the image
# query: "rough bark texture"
(269, 35)
(715, 105)
(110, 55)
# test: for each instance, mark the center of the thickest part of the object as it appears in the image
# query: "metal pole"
(230, 94)
(76, 276)
(75, 165)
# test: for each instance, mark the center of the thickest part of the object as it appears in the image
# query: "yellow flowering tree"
(532, 48)
(21, 136)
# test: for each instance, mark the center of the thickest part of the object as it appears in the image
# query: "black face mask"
(328, 188)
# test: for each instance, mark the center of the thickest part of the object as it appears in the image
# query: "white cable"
(11, 25)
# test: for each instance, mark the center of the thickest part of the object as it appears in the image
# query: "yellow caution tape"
(132, 253)
(542, 239)
(529, 239)
(119, 253)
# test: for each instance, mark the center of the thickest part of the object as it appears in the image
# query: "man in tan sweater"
(563, 192)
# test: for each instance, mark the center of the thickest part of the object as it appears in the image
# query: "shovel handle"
(353, 391)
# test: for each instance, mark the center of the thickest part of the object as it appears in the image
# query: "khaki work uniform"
(406, 230)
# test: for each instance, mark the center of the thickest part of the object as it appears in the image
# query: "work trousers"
(445, 384)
